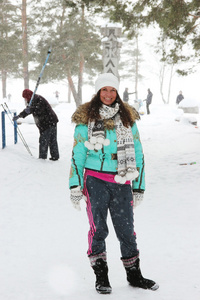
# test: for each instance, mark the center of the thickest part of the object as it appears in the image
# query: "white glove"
(137, 198)
(76, 196)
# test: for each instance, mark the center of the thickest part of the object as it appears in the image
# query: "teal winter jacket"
(104, 160)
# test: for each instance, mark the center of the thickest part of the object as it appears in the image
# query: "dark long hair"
(96, 103)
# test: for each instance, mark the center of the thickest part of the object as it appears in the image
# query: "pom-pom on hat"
(106, 79)
(27, 94)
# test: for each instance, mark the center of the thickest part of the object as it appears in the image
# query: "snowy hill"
(44, 240)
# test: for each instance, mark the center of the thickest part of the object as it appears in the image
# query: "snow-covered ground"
(44, 240)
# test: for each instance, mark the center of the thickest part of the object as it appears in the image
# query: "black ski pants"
(103, 196)
(48, 138)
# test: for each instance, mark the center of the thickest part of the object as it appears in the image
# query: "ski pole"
(18, 130)
(40, 76)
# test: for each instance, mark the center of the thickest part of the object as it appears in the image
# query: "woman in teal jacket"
(108, 170)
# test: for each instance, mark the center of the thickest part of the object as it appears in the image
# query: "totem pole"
(111, 48)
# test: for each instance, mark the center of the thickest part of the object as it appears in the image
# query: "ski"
(185, 164)
(40, 76)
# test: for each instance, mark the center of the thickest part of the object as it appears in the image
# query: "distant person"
(140, 102)
(57, 94)
(137, 104)
(148, 100)
(126, 95)
(179, 98)
(46, 120)
(9, 97)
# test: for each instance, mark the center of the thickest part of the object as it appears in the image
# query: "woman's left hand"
(137, 198)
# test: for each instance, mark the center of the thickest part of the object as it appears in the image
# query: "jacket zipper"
(103, 157)
(141, 175)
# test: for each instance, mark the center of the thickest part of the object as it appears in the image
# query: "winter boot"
(101, 271)
(134, 275)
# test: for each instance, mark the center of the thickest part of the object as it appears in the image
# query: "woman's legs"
(101, 196)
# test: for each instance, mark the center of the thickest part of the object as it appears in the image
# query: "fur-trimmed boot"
(134, 275)
(102, 283)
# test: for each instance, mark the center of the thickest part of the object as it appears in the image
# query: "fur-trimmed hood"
(80, 116)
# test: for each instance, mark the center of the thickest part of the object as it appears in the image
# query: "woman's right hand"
(76, 196)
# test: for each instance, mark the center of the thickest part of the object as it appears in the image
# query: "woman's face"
(108, 95)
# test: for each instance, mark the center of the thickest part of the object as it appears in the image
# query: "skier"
(107, 168)
(46, 120)
(9, 97)
(57, 94)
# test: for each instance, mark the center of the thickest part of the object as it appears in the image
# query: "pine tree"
(178, 21)
(75, 45)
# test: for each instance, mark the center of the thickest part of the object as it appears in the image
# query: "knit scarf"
(125, 144)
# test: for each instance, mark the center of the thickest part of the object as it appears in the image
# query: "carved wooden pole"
(111, 48)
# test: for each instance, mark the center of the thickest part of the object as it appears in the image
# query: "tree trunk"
(72, 88)
(80, 78)
(25, 46)
(136, 68)
(78, 95)
(162, 73)
(170, 83)
(4, 36)
(69, 94)
(4, 78)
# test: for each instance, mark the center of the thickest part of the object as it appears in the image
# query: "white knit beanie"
(106, 79)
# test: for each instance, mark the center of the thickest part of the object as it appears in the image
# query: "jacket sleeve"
(79, 154)
(139, 182)
(35, 105)
(24, 113)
